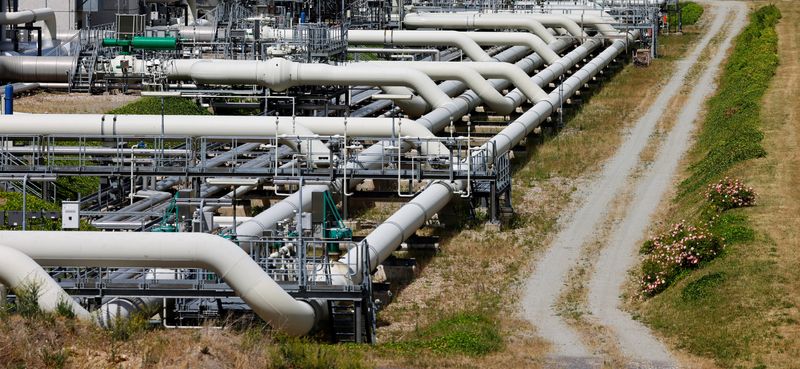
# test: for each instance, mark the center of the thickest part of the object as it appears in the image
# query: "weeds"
(471, 334)
(27, 303)
(296, 353)
(152, 106)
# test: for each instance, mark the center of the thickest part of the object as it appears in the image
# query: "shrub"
(152, 106)
(730, 193)
(27, 302)
(668, 255)
(64, 308)
(690, 14)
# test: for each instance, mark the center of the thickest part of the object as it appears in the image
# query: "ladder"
(83, 77)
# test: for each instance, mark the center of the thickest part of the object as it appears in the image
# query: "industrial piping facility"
(349, 100)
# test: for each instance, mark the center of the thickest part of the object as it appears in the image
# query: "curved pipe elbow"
(187, 250)
(420, 38)
(532, 41)
(18, 270)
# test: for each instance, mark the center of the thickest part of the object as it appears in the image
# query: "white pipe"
(47, 15)
(513, 39)
(548, 20)
(18, 270)
(171, 250)
(419, 38)
(280, 74)
(474, 75)
(480, 21)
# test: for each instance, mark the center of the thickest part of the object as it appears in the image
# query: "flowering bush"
(730, 193)
(683, 247)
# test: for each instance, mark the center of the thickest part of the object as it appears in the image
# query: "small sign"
(70, 215)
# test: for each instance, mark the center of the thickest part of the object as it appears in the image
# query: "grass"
(463, 333)
(732, 310)
(152, 106)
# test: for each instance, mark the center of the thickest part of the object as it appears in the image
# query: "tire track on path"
(620, 253)
(544, 286)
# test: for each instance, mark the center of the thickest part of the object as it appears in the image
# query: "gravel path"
(620, 254)
(543, 288)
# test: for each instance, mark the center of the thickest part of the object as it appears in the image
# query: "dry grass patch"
(70, 103)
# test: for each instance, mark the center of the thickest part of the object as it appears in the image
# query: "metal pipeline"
(479, 21)
(448, 19)
(171, 250)
(387, 237)
(473, 74)
(36, 68)
(280, 74)
(47, 15)
(419, 38)
(18, 270)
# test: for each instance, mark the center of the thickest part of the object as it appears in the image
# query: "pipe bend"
(18, 270)
(187, 250)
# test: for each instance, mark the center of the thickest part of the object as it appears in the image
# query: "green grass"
(731, 132)
(298, 353)
(470, 334)
(718, 310)
(152, 106)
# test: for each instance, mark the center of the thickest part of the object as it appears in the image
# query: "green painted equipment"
(143, 43)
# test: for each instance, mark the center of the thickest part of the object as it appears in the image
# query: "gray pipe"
(36, 68)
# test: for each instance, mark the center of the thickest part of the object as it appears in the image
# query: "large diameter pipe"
(280, 74)
(419, 38)
(36, 68)
(548, 20)
(475, 80)
(385, 239)
(533, 42)
(47, 15)
(18, 271)
(479, 21)
(171, 250)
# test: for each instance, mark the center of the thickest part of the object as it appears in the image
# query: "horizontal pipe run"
(418, 38)
(280, 74)
(36, 68)
(547, 20)
(478, 21)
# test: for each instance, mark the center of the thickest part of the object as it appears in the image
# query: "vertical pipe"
(9, 100)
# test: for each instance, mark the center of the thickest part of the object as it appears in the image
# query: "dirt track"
(543, 288)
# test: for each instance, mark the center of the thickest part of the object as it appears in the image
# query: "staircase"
(82, 78)
(347, 323)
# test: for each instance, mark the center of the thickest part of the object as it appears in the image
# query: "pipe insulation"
(171, 250)
(419, 38)
(572, 22)
(469, 43)
(18, 270)
(445, 19)
(286, 128)
(46, 15)
(531, 41)
(479, 21)
(473, 74)
(36, 68)
(280, 74)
